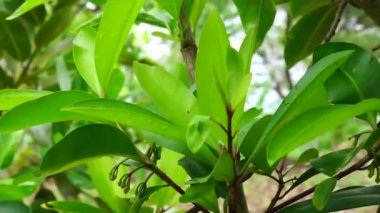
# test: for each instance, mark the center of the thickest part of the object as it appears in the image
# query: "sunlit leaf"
(71, 206)
(25, 7)
(10, 98)
(198, 132)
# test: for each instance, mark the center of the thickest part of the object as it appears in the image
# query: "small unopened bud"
(113, 173)
(140, 190)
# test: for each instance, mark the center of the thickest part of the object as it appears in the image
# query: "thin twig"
(25, 69)
(343, 4)
(376, 48)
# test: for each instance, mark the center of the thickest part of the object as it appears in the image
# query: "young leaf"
(173, 7)
(14, 38)
(71, 206)
(308, 33)
(198, 132)
(117, 20)
(25, 7)
(258, 15)
(170, 95)
(84, 57)
(85, 143)
(128, 114)
(43, 110)
(341, 200)
(322, 193)
(211, 69)
(312, 123)
(10, 98)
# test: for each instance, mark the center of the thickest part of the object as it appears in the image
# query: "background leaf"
(25, 7)
(10, 98)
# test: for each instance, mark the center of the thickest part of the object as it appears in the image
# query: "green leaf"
(355, 79)
(333, 162)
(128, 114)
(14, 207)
(202, 194)
(173, 7)
(302, 7)
(14, 38)
(170, 95)
(71, 206)
(117, 20)
(9, 144)
(10, 98)
(139, 201)
(313, 123)
(309, 93)
(43, 110)
(341, 200)
(10, 191)
(84, 57)
(196, 12)
(258, 15)
(307, 33)
(308, 155)
(304, 177)
(211, 69)
(86, 143)
(323, 192)
(198, 132)
(53, 27)
(25, 7)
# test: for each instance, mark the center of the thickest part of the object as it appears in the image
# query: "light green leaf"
(173, 7)
(9, 144)
(349, 198)
(308, 155)
(196, 12)
(322, 193)
(309, 93)
(313, 123)
(302, 7)
(10, 98)
(84, 57)
(170, 95)
(14, 38)
(211, 69)
(63, 75)
(10, 191)
(202, 194)
(198, 132)
(257, 15)
(25, 7)
(86, 143)
(46, 109)
(71, 206)
(117, 20)
(128, 114)
(307, 33)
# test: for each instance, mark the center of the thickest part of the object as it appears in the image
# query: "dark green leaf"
(86, 143)
(341, 200)
(202, 194)
(323, 192)
(46, 109)
(71, 206)
(14, 38)
(308, 33)
(117, 20)
(14, 207)
(25, 7)
(302, 7)
(305, 176)
(307, 155)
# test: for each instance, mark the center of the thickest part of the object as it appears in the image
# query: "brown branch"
(343, 4)
(25, 69)
(376, 48)
(188, 47)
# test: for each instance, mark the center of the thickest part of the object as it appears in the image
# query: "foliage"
(67, 69)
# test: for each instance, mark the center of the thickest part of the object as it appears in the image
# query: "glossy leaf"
(173, 7)
(128, 114)
(302, 7)
(355, 79)
(202, 194)
(14, 206)
(53, 27)
(312, 123)
(71, 206)
(258, 15)
(117, 20)
(308, 155)
(341, 200)
(86, 143)
(170, 95)
(25, 7)
(307, 94)
(323, 192)
(14, 38)
(10, 98)
(84, 57)
(198, 132)
(46, 109)
(307, 33)
(211, 69)
(333, 162)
